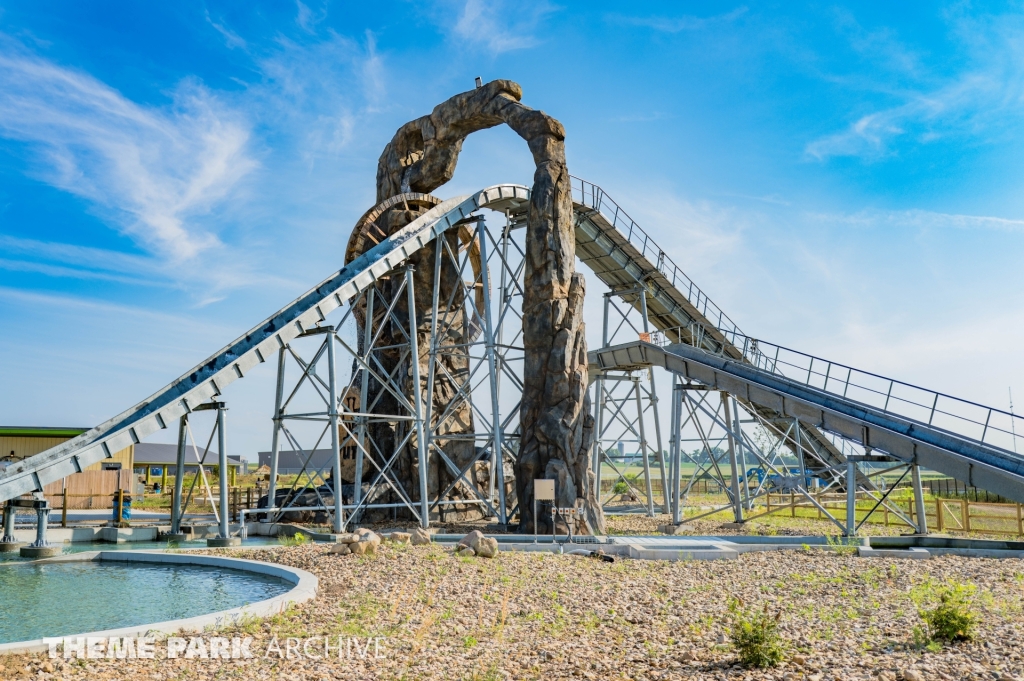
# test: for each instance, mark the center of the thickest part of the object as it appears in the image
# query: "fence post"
(64, 510)
(938, 513)
(965, 510)
(768, 503)
(792, 504)
(1020, 519)
(885, 514)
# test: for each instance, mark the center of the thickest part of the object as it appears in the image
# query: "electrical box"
(544, 490)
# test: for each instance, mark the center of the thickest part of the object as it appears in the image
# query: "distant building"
(151, 460)
(21, 442)
(290, 462)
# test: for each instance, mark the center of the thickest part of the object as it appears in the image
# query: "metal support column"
(421, 440)
(922, 516)
(676, 445)
(851, 497)
(643, 447)
(42, 517)
(497, 460)
(332, 417)
(364, 396)
(225, 531)
(8, 536)
(737, 501)
(275, 449)
(179, 477)
(598, 431)
(654, 408)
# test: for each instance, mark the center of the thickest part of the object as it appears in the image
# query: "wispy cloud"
(925, 117)
(150, 169)
(682, 23)
(307, 18)
(231, 39)
(920, 219)
(496, 26)
(974, 95)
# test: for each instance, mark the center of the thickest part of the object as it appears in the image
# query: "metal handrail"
(964, 418)
(592, 196)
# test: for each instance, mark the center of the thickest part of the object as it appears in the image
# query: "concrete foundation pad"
(41, 551)
(8, 547)
(221, 542)
(910, 553)
(681, 528)
(172, 536)
(733, 526)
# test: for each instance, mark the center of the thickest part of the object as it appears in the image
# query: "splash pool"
(123, 590)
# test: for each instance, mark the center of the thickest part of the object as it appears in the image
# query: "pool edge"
(304, 589)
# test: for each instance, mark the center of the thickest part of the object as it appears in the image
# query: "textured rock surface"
(556, 425)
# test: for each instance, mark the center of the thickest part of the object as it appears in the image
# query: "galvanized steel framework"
(737, 431)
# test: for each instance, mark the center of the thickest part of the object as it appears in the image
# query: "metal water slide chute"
(624, 257)
(260, 344)
(965, 440)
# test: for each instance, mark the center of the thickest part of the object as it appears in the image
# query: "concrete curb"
(304, 589)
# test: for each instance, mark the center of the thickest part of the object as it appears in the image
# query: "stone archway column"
(556, 423)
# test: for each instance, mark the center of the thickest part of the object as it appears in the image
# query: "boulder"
(487, 547)
(480, 544)
(340, 549)
(400, 537)
(349, 538)
(361, 548)
(471, 539)
(419, 537)
(464, 550)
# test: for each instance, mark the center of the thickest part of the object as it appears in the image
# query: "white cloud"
(150, 169)
(306, 18)
(922, 219)
(683, 23)
(977, 90)
(231, 39)
(496, 26)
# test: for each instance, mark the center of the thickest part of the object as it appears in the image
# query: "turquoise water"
(79, 547)
(61, 599)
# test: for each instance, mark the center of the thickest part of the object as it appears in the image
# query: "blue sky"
(842, 179)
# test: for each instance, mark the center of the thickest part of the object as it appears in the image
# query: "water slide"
(705, 346)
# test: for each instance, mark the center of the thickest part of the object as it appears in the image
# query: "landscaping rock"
(400, 537)
(361, 548)
(487, 547)
(419, 537)
(340, 550)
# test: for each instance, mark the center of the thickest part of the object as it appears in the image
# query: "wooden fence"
(943, 515)
(89, 489)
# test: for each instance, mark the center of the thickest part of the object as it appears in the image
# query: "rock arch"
(556, 424)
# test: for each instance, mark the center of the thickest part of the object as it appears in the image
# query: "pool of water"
(61, 599)
(79, 547)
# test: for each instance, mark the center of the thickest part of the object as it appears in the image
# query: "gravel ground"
(542, 616)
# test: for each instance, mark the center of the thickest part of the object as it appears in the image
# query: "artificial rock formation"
(555, 421)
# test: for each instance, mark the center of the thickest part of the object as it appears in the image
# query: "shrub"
(755, 635)
(947, 611)
(297, 539)
(620, 487)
